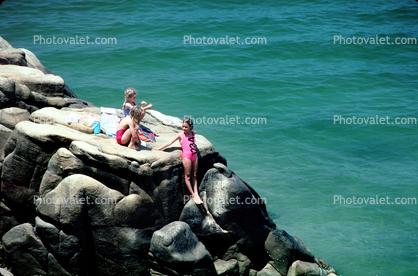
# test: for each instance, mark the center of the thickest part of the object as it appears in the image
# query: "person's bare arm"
(175, 138)
(134, 132)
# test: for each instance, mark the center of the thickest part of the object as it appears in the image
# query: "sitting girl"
(130, 97)
(127, 131)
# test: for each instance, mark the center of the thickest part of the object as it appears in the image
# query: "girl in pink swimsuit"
(187, 142)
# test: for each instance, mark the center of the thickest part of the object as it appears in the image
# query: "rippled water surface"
(303, 162)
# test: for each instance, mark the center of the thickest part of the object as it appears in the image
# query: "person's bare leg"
(126, 137)
(187, 164)
(132, 144)
(194, 180)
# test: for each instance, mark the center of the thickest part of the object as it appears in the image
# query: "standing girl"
(189, 157)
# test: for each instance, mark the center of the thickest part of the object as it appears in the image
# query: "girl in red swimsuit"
(127, 131)
(187, 142)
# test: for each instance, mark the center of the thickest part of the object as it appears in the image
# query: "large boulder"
(26, 251)
(84, 158)
(28, 254)
(23, 68)
(34, 79)
(7, 93)
(13, 56)
(284, 250)
(105, 231)
(237, 209)
(61, 245)
(10, 117)
(268, 270)
(300, 268)
(176, 247)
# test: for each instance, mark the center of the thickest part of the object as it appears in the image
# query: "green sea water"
(311, 67)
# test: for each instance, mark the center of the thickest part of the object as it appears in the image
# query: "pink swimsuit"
(189, 147)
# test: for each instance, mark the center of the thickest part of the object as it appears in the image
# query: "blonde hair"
(129, 93)
(136, 113)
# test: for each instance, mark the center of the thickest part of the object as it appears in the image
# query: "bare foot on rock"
(197, 200)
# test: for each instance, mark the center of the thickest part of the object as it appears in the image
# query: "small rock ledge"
(77, 203)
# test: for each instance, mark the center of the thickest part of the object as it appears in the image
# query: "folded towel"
(109, 122)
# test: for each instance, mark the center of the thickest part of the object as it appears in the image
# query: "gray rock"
(7, 93)
(13, 56)
(92, 212)
(252, 272)
(268, 270)
(157, 118)
(227, 268)
(4, 44)
(136, 211)
(27, 154)
(233, 253)
(41, 101)
(54, 268)
(22, 92)
(74, 196)
(10, 117)
(34, 79)
(33, 62)
(200, 221)
(300, 268)
(237, 210)
(176, 247)
(61, 245)
(23, 166)
(4, 272)
(284, 249)
(64, 163)
(7, 220)
(4, 135)
(7, 86)
(27, 253)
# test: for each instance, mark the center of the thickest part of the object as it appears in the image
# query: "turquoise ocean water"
(303, 162)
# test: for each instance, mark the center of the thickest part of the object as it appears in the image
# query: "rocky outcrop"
(177, 248)
(78, 203)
